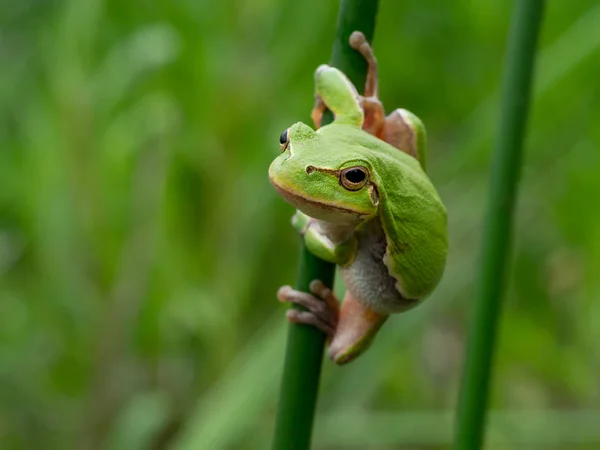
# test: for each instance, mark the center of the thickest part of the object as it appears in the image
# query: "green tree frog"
(365, 203)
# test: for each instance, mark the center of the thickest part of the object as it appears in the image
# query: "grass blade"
(496, 239)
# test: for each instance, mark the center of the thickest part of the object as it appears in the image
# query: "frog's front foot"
(300, 222)
(322, 307)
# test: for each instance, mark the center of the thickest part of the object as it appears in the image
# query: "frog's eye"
(354, 178)
(284, 140)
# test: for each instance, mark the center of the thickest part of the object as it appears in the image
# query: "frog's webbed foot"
(350, 328)
(372, 107)
(359, 43)
(322, 307)
(401, 128)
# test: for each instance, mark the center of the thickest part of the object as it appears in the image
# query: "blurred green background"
(141, 244)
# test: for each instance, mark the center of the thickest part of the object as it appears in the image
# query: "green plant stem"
(304, 354)
(517, 81)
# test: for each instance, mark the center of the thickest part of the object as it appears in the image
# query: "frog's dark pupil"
(355, 176)
(283, 138)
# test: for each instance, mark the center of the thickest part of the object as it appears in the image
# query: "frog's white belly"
(368, 279)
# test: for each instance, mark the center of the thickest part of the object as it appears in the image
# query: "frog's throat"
(298, 201)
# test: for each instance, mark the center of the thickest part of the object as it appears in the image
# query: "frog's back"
(412, 216)
(358, 144)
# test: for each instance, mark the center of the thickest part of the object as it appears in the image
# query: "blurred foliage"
(141, 243)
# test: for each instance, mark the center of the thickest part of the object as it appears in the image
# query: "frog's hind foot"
(322, 307)
(375, 119)
(358, 42)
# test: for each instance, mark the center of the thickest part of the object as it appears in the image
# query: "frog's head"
(325, 180)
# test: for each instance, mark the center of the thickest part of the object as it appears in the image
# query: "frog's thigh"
(374, 116)
(397, 131)
(356, 328)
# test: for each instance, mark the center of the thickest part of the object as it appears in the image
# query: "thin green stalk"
(304, 354)
(506, 166)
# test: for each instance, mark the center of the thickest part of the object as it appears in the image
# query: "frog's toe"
(310, 302)
(309, 318)
(322, 308)
(318, 288)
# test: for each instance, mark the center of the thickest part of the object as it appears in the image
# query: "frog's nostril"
(310, 169)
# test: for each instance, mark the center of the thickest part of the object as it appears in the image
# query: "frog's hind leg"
(405, 131)
(401, 128)
(359, 43)
(322, 307)
(350, 328)
(372, 107)
(374, 117)
(357, 327)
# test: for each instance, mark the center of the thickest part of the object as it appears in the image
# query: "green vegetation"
(496, 242)
(141, 244)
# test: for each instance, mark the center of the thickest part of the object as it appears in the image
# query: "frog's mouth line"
(297, 200)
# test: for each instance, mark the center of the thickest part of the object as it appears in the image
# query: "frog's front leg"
(337, 246)
(333, 90)
(350, 328)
